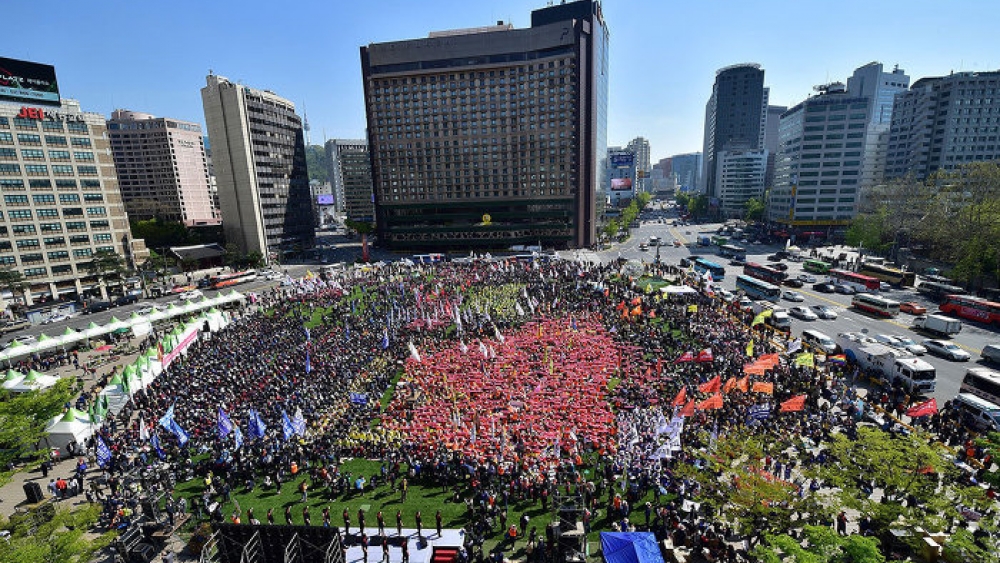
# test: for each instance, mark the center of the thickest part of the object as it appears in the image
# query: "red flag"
(659, 366)
(925, 408)
(711, 386)
(713, 402)
(761, 387)
(686, 357)
(620, 306)
(743, 385)
(794, 404)
(688, 409)
(681, 397)
(705, 356)
(770, 360)
(730, 385)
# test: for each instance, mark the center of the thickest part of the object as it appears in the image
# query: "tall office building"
(260, 165)
(739, 177)
(162, 168)
(880, 87)
(351, 175)
(640, 147)
(622, 173)
(687, 168)
(61, 202)
(944, 122)
(818, 170)
(771, 140)
(493, 136)
(735, 118)
(329, 148)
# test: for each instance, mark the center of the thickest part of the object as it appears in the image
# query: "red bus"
(972, 308)
(765, 273)
(857, 281)
(226, 280)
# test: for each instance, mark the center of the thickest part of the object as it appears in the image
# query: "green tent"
(93, 325)
(12, 374)
(68, 332)
(32, 375)
(74, 414)
(43, 337)
(129, 369)
(116, 380)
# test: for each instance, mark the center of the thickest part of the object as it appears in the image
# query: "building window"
(34, 272)
(93, 197)
(84, 156)
(29, 139)
(72, 212)
(58, 255)
(52, 213)
(56, 155)
(27, 243)
(15, 200)
(87, 170)
(11, 184)
(82, 252)
(10, 169)
(69, 198)
(79, 239)
(51, 228)
(36, 169)
(55, 140)
(62, 269)
(42, 199)
(100, 211)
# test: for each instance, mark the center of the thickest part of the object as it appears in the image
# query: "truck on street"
(889, 366)
(938, 324)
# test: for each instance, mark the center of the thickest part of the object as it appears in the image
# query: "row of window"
(25, 214)
(46, 184)
(43, 169)
(71, 126)
(39, 154)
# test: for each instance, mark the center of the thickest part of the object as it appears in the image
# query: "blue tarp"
(630, 547)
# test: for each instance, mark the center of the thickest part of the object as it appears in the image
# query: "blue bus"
(758, 289)
(701, 266)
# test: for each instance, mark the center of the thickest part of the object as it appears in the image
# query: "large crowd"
(514, 375)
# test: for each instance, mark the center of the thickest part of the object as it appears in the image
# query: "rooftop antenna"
(305, 123)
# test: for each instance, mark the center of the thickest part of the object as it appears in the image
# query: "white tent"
(67, 428)
(678, 289)
(33, 381)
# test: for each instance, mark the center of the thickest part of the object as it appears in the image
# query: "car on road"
(947, 350)
(792, 282)
(127, 299)
(913, 308)
(824, 312)
(146, 309)
(774, 258)
(844, 289)
(780, 267)
(727, 295)
(643, 246)
(883, 286)
(825, 287)
(804, 313)
(274, 276)
(806, 278)
(887, 339)
(684, 263)
(56, 318)
(13, 325)
(911, 345)
(189, 295)
(23, 339)
(97, 307)
(793, 296)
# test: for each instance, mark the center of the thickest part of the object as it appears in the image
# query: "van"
(977, 413)
(991, 353)
(819, 341)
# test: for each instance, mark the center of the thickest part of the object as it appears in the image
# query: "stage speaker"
(33, 492)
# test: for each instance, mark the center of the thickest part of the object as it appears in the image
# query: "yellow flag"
(760, 317)
(805, 359)
(750, 348)
(692, 308)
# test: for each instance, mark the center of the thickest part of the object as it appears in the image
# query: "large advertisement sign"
(622, 160)
(24, 81)
(621, 183)
(324, 199)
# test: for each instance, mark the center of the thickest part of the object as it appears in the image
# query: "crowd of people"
(512, 377)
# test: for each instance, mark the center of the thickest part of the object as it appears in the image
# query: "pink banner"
(181, 346)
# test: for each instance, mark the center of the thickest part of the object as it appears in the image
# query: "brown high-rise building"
(490, 137)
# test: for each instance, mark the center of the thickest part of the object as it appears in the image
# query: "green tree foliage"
(23, 417)
(698, 205)
(316, 163)
(754, 209)
(105, 264)
(12, 281)
(962, 546)
(62, 539)
(822, 545)
(644, 199)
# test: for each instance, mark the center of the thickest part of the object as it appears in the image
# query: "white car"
(887, 339)
(824, 312)
(726, 295)
(803, 313)
(806, 278)
(189, 295)
(793, 296)
(56, 318)
(147, 309)
(946, 350)
(23, 339)
(911, 346)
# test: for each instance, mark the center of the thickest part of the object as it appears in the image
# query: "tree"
(316, 163)
(12, 281)
(611, 228)
(698, 205)
(56, 538)
(822, 545)
(644, 199)
(23, 418)
(364, 229)
(106, 264)
(754, 209)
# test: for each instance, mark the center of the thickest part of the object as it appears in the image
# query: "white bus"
(874, 304)
(758, 289)
(983, 383)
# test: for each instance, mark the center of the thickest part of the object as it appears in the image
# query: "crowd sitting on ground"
(331, 348)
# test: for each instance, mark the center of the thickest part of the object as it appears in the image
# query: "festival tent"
(16, 350)
(33, 381)
(678, 290)
(67, 428)
(630, 547)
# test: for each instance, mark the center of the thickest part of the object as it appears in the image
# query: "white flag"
(414, 353)
(795, 346)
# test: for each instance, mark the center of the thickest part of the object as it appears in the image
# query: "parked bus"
(972, 308)
(733, 251)
(758, 289)
(428, 258)
(718, 240)
(875, 304)
(983, 383)
(701, 266)
(938, 290)
(816, 266)
(765, 273)
(888, 274)
(857, 281)
(226, 280)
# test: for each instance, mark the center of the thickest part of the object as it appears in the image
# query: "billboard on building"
(621, 184)
(622, 160)
(324, 199)
(24, 81)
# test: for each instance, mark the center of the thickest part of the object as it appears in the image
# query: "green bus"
(816, 266)
(888, 274)
(719, 240)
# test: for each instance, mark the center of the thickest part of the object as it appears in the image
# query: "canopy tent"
(68, 428)
(678, 289)
(33, 381)
(630, 547)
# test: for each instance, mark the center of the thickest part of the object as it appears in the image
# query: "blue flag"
(286, 426)
(359, 398)
(103, 452)
(308, 363)
(308, 336)
(154, 440)
(385, 339)
(256, 425)
(182, 436)
(760, 412)
(225, 425)
(238, 437)
(167, 418)
(299, 422)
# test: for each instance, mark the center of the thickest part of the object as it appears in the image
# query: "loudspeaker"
(33, 492)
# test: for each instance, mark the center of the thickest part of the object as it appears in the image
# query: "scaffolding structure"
(234, 543)
(568, 504)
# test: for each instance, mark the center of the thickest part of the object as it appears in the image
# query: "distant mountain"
(316, 163)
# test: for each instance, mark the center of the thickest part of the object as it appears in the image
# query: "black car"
(97, 307)
(780, 267)
(774, 258)
(792, 282)
(204, 282)
(126, 300)
(685, 263)
(825, 287)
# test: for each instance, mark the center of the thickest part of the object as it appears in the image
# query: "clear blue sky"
(153, 55)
